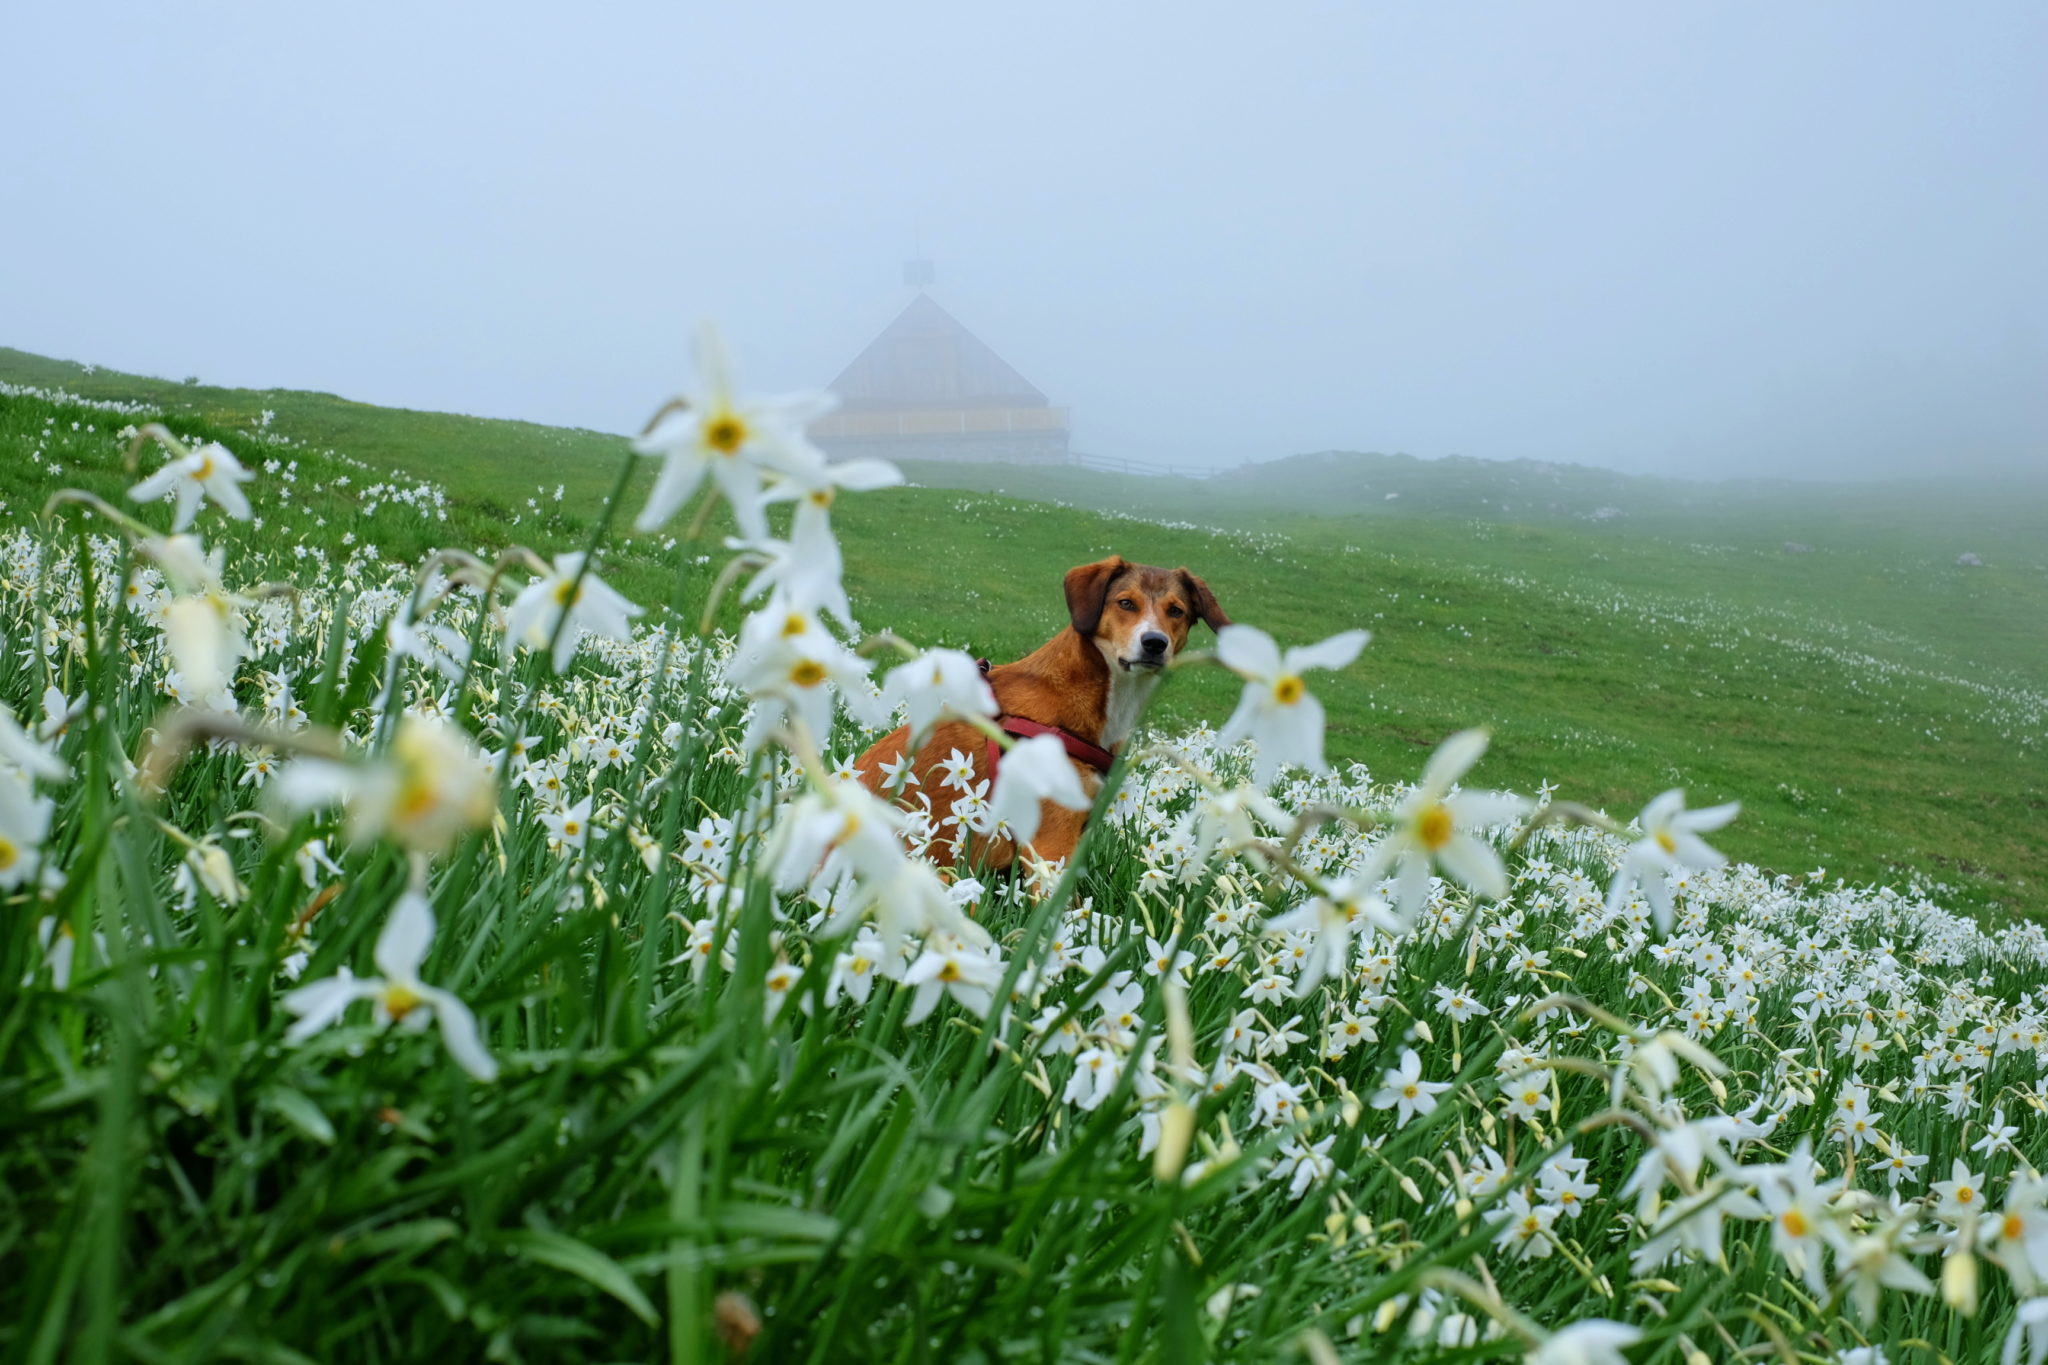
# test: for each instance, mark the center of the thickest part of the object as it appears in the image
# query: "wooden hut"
(929, 389)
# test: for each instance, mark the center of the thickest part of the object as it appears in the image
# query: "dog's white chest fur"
(1128, 690)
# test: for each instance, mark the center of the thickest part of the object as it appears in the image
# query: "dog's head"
(1137, 615)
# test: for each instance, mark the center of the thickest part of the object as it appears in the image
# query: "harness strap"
(1079, 749)
(1094, 755)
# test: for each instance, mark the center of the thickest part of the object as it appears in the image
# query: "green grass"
(1879, 709)
(1876, 707)
(180, 1182)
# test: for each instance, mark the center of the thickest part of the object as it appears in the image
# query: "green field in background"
(1877, 707)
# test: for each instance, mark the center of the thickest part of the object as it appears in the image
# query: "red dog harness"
(1079, 749)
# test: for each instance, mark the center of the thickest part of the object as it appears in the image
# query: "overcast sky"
(1711, 238)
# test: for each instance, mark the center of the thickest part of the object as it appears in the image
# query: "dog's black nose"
(1153, 643)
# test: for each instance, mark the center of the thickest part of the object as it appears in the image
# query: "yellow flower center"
(205, 470)
(571, 828)
(1666, 842)
(2012, 1227)
(9, 854)
(568, 593)
(807, 673)
(794, 624)
(822, 497)
(1288, 689)
(400, 1001)
(1795, 1223)
(1409, 1091)
(725, 434)
(415, 794)
(1964, 1194)
(1434, 826)
(949, 972)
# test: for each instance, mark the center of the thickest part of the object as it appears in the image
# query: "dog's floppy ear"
(1206, 610)
(1088, 589)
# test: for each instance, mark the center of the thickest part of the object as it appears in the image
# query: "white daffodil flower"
(1670, 839)
(24, 824)
(1332, 918)
(313, 860)
(1876, 1262)
(1233, 820)
(1301, 1165)
(205, 640)
(1694, 1223)
(1961, 1195)
(206, 864)
(187, 564)
(936, 685)
(400, 996)
(2016, 1236)
(1593, 1341)
(432, 786)
(806, 569)
(210, 471)
(591, 605)
(58, 713)
(442, 648)
(21, 749)
(60, 951)
(1406, 1092)
(846, 845)
(776, 991)
(914, 899)
(570, 826)
(1036, 769)
(947, 966)
(783, 661)
(1434, 826)
(824, 835)
(1654, 1057)
(713, 431)
(1803, 1226)
(2029, 1332)
(1276, 710)
(202, 625)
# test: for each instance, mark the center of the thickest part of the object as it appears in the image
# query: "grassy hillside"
(1879, 708)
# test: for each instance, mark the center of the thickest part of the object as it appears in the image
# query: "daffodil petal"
(1335, 652)
(1476, 865)
(1452, 759)
(407, 935)
(1248, 652)
(459, 1033)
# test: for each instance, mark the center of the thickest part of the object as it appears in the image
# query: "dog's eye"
(1175, 612)
(1127, 604)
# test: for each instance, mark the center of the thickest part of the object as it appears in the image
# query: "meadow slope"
(644, 1035)
(1879, 708)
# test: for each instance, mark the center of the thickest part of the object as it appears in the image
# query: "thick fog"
(1711, 239)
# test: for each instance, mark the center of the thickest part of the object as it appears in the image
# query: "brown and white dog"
(1086, 685)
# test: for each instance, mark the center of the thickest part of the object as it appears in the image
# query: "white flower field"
(457, 959)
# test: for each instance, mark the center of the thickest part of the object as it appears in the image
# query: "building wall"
(970, 435)
(1007, 447)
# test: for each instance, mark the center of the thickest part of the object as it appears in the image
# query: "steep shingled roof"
(926, 359)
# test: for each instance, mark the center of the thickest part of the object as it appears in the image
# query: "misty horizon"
(1727, 244)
